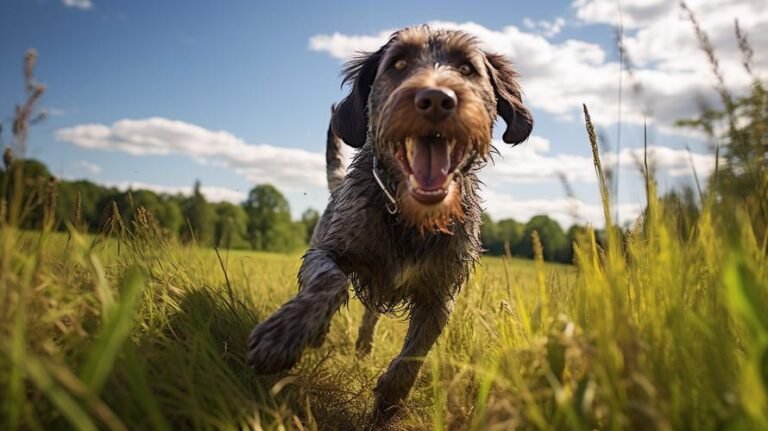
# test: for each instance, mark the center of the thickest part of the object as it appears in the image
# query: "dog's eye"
(401, 64)
(465, 69)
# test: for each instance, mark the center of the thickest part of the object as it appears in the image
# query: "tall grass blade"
(64, 402)
(115, 331)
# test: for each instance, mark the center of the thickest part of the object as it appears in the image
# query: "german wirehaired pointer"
(403, 225)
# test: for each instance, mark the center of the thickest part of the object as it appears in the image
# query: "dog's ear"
(349, 120)
(509, 102)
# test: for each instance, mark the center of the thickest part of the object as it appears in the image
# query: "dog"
(402, 225)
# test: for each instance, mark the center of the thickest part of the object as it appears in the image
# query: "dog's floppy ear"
(349, 120)
(509, 102)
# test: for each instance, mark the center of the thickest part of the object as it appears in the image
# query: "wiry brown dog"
(403, 226)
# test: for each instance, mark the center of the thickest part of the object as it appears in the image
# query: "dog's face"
(427, 101)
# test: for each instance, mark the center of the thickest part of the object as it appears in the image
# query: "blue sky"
(164, 93)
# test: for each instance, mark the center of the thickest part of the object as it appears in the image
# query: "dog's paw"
(384, 413)
(274, 346)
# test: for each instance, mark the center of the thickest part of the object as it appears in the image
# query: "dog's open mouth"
(429, 162)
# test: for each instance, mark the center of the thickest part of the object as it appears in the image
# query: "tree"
(231, 225)
(34, 192)
(489, 235)
(92, 199)
(169, 215)
(269, 221)
(309, 218)
(682, 204)
(199, 217)
(574, 233)
(739, 128)
(552, 237)
(510, 233)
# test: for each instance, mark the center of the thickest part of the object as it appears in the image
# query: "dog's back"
(334, 173)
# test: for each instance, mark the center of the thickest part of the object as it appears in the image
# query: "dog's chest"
(416, 274)
(408, 277)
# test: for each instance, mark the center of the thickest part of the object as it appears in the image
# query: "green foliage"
(509, 236)
(199, 217)
(92, 199)
(657, 330)
(552, 238)
(269, 221)
(84, 205)
(309, 218)
(499, 236)
(739, 131)
(231, 224)
(28, 183)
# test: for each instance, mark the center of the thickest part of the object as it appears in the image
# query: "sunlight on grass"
(663, 325)
(651, 332)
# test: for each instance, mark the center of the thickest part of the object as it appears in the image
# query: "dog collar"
(392, 206)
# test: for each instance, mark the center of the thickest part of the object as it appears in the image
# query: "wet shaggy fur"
(417, 259)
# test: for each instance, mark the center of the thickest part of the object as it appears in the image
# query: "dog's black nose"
(435, 103)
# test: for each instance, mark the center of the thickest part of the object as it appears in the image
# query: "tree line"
(262, 222)
(511, 237)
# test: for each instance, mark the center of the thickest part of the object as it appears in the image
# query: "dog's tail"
(334, 162)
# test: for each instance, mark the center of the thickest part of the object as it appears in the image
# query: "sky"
(157, 95)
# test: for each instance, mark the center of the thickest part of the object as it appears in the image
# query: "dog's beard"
(432, 218)
(430, 156)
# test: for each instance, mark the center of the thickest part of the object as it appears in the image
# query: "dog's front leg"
(364, 342)
(277, 343)
(427, 320)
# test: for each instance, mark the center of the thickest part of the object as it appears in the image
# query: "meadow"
(656, 329)
(659, 325)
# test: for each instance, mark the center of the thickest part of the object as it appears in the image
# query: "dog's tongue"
(431, 162)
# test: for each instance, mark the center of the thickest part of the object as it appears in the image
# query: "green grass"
(155, 337)
(666, 334)
(661, 328)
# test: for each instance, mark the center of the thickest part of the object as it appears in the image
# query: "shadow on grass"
(191, 373)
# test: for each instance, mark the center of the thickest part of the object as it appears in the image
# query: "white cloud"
(293, 169)
(635, 13)
(668, 66)
(661, 37)
(86, 166)
(211, 193)
(532, 162)
(546, 28)
(287, 168)
(80, 4)
(344, 47)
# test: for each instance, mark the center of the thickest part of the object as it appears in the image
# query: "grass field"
(661, 326)
(160, 333)
(655, 332)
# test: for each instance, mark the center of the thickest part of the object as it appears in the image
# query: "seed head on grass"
(26, 114)
(7, 158)
(602, 182)
(78, 216)
(745, 47)
(51, 195)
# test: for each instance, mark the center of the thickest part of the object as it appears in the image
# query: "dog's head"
(426, 101)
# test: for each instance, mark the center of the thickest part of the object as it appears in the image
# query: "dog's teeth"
(412, 181)
(448, 181)
(409, 150)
